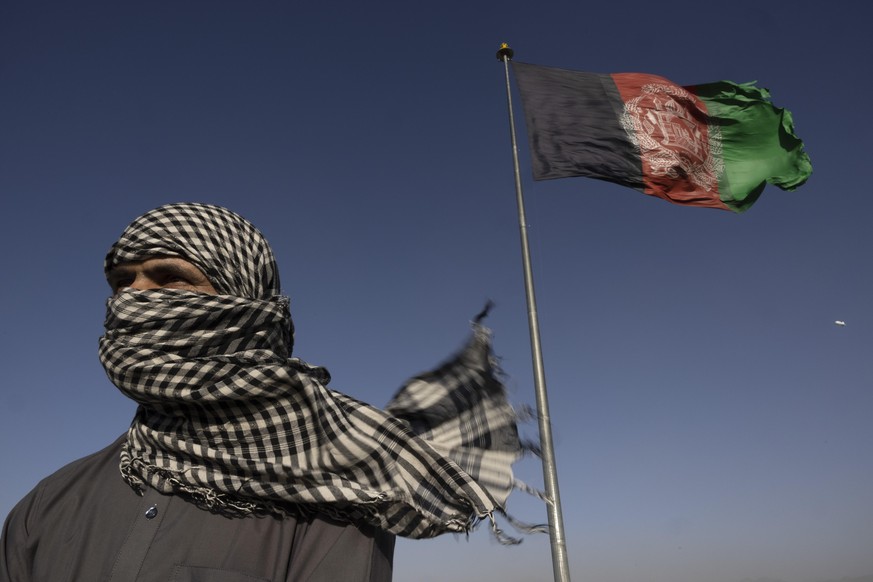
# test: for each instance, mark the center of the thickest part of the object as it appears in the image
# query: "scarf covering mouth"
(229, 419)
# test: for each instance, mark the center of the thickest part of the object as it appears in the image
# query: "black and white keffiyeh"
(228, 418)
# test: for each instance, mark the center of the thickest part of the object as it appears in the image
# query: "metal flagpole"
(560, 565)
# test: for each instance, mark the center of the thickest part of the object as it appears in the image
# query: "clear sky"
(712, 423)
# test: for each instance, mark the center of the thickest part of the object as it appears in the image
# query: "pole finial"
(504, 52)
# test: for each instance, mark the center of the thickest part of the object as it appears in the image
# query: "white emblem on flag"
(660, 123)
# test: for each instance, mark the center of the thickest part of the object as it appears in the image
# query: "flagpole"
(560, 564)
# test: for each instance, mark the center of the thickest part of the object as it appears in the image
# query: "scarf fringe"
(520, 526)
(230, 506)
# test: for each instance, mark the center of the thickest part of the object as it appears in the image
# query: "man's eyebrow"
(119, 270)
(170, 266)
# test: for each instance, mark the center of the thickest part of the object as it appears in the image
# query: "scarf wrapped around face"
(229, 419)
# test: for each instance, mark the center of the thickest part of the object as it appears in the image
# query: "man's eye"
(121, 283)
(176, 280)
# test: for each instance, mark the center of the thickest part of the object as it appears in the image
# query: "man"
(240, 464)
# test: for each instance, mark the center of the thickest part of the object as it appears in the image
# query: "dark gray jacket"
(85, 524)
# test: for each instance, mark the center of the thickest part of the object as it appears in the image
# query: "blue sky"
(711, 422)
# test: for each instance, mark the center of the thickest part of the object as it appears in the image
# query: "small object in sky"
(840, 323)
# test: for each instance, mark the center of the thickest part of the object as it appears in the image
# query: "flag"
(713, 145)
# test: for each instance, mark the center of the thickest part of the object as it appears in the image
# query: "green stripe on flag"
(758, 142)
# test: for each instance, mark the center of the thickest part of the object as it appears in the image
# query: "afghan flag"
(713, 145)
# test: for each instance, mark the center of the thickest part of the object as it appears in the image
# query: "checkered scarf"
(228, 418)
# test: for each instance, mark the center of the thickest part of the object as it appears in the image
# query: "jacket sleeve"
(359, 558)
(15, 541)
(326, 551)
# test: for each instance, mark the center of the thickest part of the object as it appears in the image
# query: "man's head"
(195, 247)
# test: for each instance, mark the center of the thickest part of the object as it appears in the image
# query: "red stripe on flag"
(670, 128)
